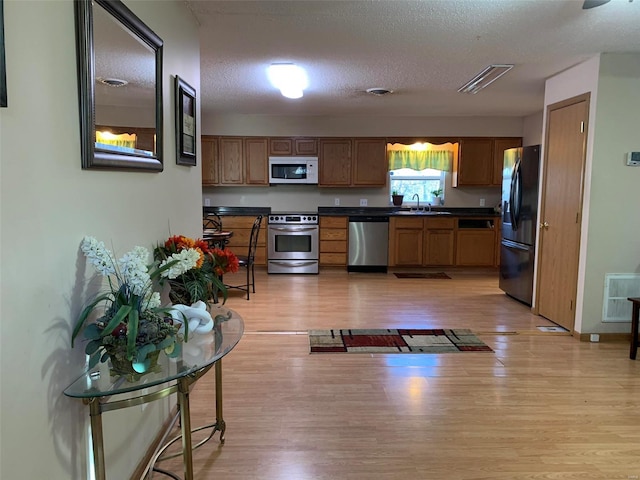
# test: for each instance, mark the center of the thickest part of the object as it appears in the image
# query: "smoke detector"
(379, 91)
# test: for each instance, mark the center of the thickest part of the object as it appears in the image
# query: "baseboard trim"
(141, 470)
(604, 337)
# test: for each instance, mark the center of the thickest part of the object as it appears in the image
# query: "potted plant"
(437, 196)
(132, 329)
(396, 198)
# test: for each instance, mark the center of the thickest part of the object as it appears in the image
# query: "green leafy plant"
(133, 324)
(436, 193)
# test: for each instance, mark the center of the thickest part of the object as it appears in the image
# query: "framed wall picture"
(3, 71)
(185, 123)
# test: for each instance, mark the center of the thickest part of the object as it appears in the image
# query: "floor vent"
(617, 288)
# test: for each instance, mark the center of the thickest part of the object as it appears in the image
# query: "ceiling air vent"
(379, 91)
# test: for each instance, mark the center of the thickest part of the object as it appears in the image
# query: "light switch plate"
(363, 202)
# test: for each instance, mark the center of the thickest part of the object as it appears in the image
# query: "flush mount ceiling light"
(112, 82)
(289, 78)
(485, 78)
(379, 91)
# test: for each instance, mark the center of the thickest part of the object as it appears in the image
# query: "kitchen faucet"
(418, 205)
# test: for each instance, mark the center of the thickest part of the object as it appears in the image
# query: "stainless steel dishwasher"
(368, 243)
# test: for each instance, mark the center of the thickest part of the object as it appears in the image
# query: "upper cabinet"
(210, 162)
(480, 159)
(231, 156)
(256, 161)
(334, 158)
(235, 161)
(285, 146)
(343, 161)
(357, 162)
(370, 167)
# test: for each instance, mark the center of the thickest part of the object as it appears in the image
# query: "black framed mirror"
(120, 88)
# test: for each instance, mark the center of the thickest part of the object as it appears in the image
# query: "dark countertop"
(391, 211)
(353, 211)
(248, 211)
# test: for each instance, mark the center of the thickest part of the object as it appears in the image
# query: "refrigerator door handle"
(515, 246)
(516, 193)
(511, 197)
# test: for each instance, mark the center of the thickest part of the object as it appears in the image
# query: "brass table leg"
(95, 414)
(220, 425)
(185, 427)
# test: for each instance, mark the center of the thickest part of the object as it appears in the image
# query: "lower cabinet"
(442, 241)
(476, 248)
(241, 227)
(333, 241)
(476, 243)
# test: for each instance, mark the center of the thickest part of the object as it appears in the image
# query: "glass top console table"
(103, 392)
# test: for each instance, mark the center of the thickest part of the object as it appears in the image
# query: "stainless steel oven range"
(293, 241)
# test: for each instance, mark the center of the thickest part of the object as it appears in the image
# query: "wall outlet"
(336, 201)
(363, 202)
(207, 202)
(482, 202)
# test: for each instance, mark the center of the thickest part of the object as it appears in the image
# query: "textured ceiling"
(422, 50)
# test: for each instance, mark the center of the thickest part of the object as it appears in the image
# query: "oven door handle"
(294, 229)
(293, 263)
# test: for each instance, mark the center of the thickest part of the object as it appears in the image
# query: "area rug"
(438, 275)
(395, 341)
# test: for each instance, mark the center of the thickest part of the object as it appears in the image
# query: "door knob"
(544, 225)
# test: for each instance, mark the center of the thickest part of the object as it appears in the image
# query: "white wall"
(47, 205)
(614, 223)
(309, 198)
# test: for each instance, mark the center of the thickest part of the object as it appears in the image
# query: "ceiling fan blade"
(593, 3)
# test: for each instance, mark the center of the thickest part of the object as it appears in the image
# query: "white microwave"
(303, 170)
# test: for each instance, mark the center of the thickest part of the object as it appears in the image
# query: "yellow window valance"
(419, 160)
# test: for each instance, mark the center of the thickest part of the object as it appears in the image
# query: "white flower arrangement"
(133, 318)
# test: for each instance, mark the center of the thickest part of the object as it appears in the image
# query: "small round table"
(103, 392)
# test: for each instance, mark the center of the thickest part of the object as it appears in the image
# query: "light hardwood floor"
(541, 406)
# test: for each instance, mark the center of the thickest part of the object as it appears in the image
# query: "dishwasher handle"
(369, 219)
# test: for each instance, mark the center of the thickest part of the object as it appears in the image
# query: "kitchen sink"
(421, 212)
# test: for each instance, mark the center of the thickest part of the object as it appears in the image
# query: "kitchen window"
(408, 182)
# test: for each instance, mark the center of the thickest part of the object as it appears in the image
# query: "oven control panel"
(296, 219)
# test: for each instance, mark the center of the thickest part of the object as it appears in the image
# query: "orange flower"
(226, 261)
(202, 245)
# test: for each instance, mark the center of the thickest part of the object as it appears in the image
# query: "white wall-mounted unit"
(618, 287)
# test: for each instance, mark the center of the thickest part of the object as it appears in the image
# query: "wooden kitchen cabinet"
(305, 146)
(333, 241)
(210, 162)
(231, 155)
(370, 167)
(241, 227)
(476, 242)
(286, 146)
(280, 147)
(475, 162)
(334, 158)
(235, 161)
(406, 241)
(479, 162)
(256, 161)
(499, 146)
(439, 241)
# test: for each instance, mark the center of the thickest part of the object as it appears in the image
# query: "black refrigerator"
(520, 178)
